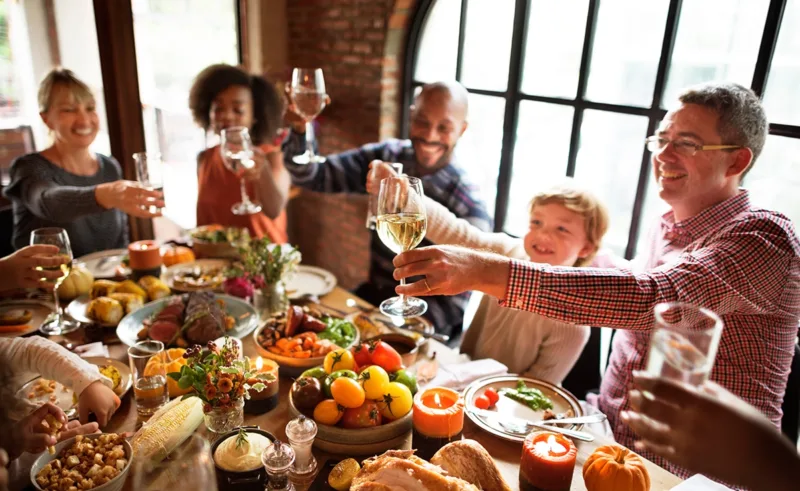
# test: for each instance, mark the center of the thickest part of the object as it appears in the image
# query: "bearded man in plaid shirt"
(713, 249)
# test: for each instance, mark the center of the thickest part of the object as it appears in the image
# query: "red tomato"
(361, 354)
(386, 357)
(491, 394)
(365, 416)
(482, 402)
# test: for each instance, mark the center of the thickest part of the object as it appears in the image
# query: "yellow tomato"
(347, 392)
(340, 359)
(396, 401)
(328, 412)
(374, 380)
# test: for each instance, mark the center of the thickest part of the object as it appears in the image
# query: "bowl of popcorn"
(100, 461)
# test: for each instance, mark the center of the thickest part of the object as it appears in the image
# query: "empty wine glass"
(401, 227)
(150, 172)
(309, 98)
(237, 154)
(56, 323)
(190, 466)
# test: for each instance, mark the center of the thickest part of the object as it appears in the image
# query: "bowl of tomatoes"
(361, 399)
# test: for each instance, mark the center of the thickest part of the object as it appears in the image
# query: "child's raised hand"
(33, 434)
(97, 399)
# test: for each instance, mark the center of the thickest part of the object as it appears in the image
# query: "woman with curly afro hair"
(224, 96)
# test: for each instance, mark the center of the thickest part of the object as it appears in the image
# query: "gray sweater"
(45, 195)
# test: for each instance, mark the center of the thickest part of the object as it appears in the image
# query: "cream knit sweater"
(527, 343)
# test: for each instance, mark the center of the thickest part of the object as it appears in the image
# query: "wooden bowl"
(293, 367)
(407, 346)
(362, 441)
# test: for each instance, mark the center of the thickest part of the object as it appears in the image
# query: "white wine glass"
(190, 466)
(309, 99)
(237, 154)
(150, 172)
(56, 323)
(401, 227)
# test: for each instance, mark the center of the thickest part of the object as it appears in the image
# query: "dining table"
(506, 454)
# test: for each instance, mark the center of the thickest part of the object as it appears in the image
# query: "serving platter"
(172, 275)
(105, 264)
(310, 280)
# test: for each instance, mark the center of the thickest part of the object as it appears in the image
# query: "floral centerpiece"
(222, 380)
(261, 274)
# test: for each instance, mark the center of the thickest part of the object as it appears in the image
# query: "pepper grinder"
(301, 432)
(278, 459)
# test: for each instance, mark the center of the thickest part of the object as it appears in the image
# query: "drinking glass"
(190, 466)
(149, 383)
(372, 202)
(150, 172)
(56, 323)
(237, 154)
(401, 227)
(309, 98)
(684, 342)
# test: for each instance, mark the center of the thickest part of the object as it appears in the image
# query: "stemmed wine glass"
(237, 154)
(56, 323)
(190, 466)
(401, 227)
(309, 98)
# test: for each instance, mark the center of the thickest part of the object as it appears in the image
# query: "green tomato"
(406, 378)
(317, 373)
(326, 384)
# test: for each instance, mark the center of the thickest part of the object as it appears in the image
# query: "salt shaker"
(372, 206)
(278, 459)
(301, 432)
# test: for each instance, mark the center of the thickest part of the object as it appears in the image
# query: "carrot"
(308, 344)
(282, 344)
(307, 335)
(17, 328)
(301, 354)
(276, 350)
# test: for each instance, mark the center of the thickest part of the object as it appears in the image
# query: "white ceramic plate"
(105, 264)
(201, 265)
(39, 310)
(310, 280)
(64, 395)
(562, 400)
(77, 309)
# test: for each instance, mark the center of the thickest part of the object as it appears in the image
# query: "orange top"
(218, 191)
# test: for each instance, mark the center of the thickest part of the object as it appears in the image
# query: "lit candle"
(267, 398)
(438, 420)
(548, 461)
(144, 259)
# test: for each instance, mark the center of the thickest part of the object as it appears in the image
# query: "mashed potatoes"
(239, 456)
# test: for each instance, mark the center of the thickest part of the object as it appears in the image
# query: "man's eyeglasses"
(684, 147)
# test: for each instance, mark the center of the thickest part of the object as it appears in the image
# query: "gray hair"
(742, 120)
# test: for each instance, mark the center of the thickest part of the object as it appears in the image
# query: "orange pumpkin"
(171, 360)
(615, 468)
(177, 255)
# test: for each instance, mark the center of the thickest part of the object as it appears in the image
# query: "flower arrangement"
(262, 263)
(219, 377)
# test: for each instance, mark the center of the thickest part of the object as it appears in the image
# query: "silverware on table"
(579, 420)
(522, 427)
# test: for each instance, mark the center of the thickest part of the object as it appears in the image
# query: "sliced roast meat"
(204, 318)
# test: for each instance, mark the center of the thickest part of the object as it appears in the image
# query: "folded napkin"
(92, 349)
(458, 376)
(699, 482)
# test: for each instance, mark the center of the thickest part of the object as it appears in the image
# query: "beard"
(447, 152)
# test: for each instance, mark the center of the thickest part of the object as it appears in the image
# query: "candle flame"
(555, 447)
(437, 399)
(259, 364)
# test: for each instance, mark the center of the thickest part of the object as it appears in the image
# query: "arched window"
(573, 87)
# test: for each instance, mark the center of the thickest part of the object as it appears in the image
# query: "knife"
(523, 423)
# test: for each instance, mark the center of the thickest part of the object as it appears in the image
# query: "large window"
(572, 88)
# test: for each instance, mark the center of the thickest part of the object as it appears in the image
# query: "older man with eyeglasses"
(713, 248)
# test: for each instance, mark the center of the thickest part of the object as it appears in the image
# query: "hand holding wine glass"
(237, 154)
(25, 268)
(401, 227)
(56, 324)
(308, 98)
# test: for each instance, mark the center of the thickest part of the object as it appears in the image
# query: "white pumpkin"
(77, 283)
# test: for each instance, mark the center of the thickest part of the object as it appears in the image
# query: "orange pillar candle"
(144, 258)
(267, 399)
(548, 462)
(438, 419)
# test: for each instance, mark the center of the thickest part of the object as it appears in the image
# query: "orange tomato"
(328, 412)
(347, 392)
(396, 401)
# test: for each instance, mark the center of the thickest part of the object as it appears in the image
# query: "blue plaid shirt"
(347, 173)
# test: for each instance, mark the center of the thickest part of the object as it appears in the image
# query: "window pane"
(653, 208)
(627, 43)
(10, 89)
(487, 44)
(728, 51)
(438, 47)
(478, 151)
(608, 163)
(541, 153)
(553, 49)
(780, 99)
(773, 181)
(168, 59)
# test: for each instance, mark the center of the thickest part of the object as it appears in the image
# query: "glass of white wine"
(237, 154)
(56, 324)
(309, 99)
(401, 226)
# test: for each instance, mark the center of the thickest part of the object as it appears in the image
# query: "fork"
(525, 429)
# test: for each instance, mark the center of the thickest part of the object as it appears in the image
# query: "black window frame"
(513, 94)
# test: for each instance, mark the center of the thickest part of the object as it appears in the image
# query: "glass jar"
(301, 432)
(271, 299)
(222, 420)
(278, 460)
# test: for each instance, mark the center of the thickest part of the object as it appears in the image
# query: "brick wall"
(358, 44)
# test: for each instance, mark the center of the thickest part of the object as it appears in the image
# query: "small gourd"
(615, 468)
(177, 255)
(77, 283)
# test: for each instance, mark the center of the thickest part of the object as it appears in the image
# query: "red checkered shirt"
(741, 262)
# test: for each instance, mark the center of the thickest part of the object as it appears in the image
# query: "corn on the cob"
(167, 429)
(102, 288)
(105, 310)
(129, 301)
(128, 286)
